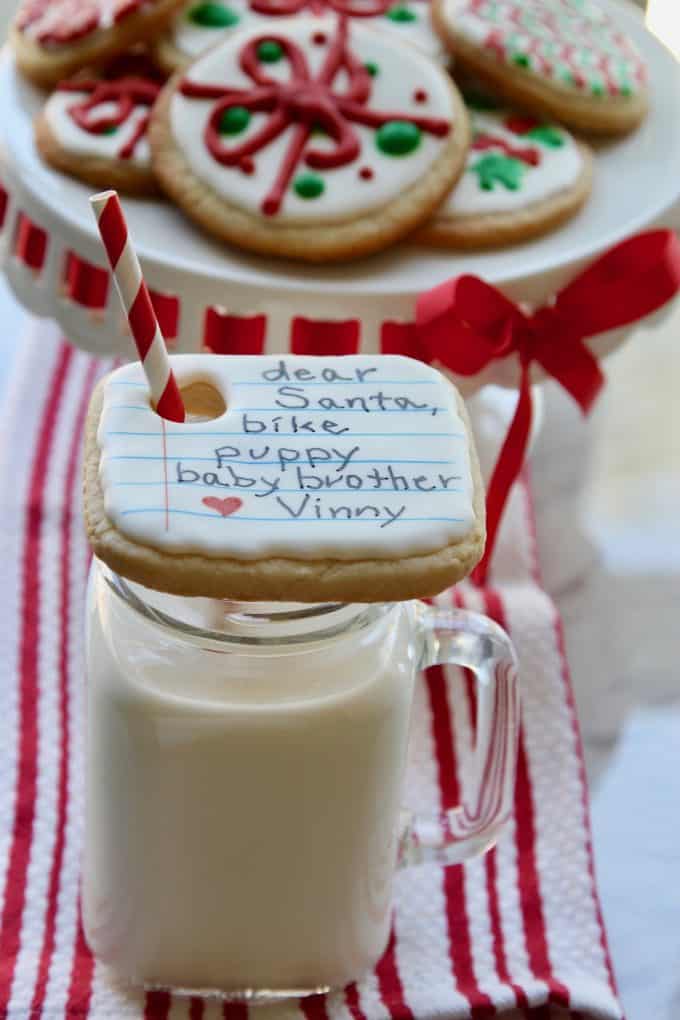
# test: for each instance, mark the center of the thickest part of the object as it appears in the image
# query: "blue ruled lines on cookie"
(257, 492)
(286, 520)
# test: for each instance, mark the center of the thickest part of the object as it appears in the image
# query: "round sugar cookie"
(201, 24)
(565, 59)
(95, 129)
(316, 139)
(316, 479)
(52, 39)
(523, 178)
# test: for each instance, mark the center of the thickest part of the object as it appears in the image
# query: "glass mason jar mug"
(244, 781)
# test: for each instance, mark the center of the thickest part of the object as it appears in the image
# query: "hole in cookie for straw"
(202, 401)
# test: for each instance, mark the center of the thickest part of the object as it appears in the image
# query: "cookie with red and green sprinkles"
(566, 59)
(313, 138)
(201, 24)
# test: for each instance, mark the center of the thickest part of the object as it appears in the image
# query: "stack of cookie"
(325, 130)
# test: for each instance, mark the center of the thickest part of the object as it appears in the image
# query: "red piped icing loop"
(4, 200)
(304, 102)
(62, 22)
(348, 8)
(311, 336)
(530, 156)
(127, 95)
(520, 123)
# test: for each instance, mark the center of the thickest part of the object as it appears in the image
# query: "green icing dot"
(309, 186)
(547, 135)
(521, 60)
(494, 169)
(626, 89)
(372, 68)
(269, 51)
(213, 15)
(234, 120)
(110, 130)
(401, 13)
(597, 89)
(398, 138)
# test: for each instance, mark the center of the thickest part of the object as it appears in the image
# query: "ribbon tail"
(508, 467)
(576, 368)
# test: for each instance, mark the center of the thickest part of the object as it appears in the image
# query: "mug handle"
(456, 637)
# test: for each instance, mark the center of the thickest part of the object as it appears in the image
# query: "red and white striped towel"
(517, 933)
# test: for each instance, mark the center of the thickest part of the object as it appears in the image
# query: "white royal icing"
(352, 457)
(402, 71)
(558, 170)
(192, 39)
(572, 42)
(84, 143)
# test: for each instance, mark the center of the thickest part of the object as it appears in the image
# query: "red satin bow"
(465, 324)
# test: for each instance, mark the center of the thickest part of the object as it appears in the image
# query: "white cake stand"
(48, 244)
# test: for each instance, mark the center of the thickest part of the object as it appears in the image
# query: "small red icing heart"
(225, 507)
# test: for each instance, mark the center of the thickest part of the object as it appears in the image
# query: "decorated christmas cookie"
(52, 39)
(563, 58)
(95, 129)
(351, 479)
(317, 139)
(200, 24)
(523, 178)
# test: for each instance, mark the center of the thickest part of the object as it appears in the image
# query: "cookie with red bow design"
(316, 139)
(201, 24)
(52, 39)
(565, 59)
(524, 177)
(95, 129)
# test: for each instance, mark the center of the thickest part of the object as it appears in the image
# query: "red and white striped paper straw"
(134, 295)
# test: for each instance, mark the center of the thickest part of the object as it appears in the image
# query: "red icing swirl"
(349, 8)
(127, 94)
(528, 155)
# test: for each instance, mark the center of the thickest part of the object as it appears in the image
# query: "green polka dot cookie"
(565, 59)
(319, 141)
(523, 178)
(201, 24)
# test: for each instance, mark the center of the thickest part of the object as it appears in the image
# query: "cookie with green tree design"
(523, 177)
